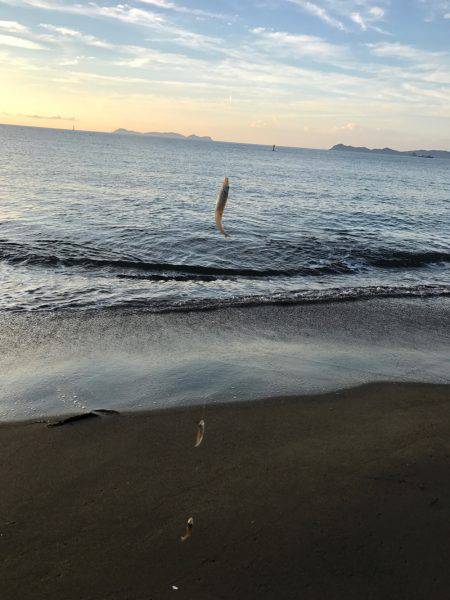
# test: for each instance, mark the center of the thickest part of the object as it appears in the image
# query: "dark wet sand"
(344, 495)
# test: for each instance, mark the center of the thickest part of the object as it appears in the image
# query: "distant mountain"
(126, 132)
(169, 135)
(416, 153)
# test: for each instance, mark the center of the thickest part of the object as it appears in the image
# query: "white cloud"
(298, 45)
(366, 17)
(377, 12)
(320, 12)
(15, 42)
(13, 27)
(143, 57)
(78, 75)
(47, 118)
(259, 124)
(161, 4)
(346, 127)
(72, 34)
(357, 18)
(435, 9)
(184, 9)
(336, 12)
(133, 16)
(404, 52)
(121, 12)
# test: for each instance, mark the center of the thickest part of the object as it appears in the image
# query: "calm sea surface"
(92, 221)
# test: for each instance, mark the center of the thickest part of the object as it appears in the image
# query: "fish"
(189, 529)
(200, 433)
(220, 206)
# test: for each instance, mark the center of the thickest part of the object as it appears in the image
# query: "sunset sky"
(289, 72)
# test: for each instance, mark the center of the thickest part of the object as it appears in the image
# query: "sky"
(288, 72)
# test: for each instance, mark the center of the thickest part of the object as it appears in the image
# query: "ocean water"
(92, 221)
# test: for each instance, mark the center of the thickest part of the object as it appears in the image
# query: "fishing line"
(227, 156)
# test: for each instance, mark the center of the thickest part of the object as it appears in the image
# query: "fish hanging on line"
(220, 206)
(200, 433)
(189, 529)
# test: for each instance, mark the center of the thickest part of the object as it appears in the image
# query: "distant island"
(169, 135)
(416, 153)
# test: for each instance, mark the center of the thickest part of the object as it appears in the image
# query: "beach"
(323, 472)
(339, 495)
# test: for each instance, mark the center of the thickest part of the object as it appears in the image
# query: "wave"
(330, 295)
(401, 259)
(290, 298)
(337, 260)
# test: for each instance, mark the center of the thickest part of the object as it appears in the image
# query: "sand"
(343, 495)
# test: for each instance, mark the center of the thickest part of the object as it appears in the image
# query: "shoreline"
(340, 495)
(57, 364)
(73, 418)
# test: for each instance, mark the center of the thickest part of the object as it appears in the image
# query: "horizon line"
(137, 133)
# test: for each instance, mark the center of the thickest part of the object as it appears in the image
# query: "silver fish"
(220, 206)
(200, 433)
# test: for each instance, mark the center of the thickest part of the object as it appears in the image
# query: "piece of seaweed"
(73, 419)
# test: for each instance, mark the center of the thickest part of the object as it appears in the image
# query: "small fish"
(200, 433)
(189, 529)
(220, 206)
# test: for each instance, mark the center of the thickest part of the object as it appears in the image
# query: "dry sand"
(344, 495)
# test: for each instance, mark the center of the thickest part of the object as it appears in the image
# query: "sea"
(94, 221)
(118, 292)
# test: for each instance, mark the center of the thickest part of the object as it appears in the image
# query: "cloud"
(13, 27)
(319, 12)
(43, 117)
(47, 118)
(357, 18)
(184, 9)
(133, 16)
(377, 12)
(15, 42)
(269, 121)
(143, 57)
(336, 12)
(346, 127)
(57, 34)
(121, 12)
(404, 52)
(162, 4)
(76, 76)
(435, 9)
(300, 45)
(370, 16)
(259, 124)
(72, 34)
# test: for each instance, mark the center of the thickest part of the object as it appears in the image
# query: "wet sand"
(343, 495)
(55, 363)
